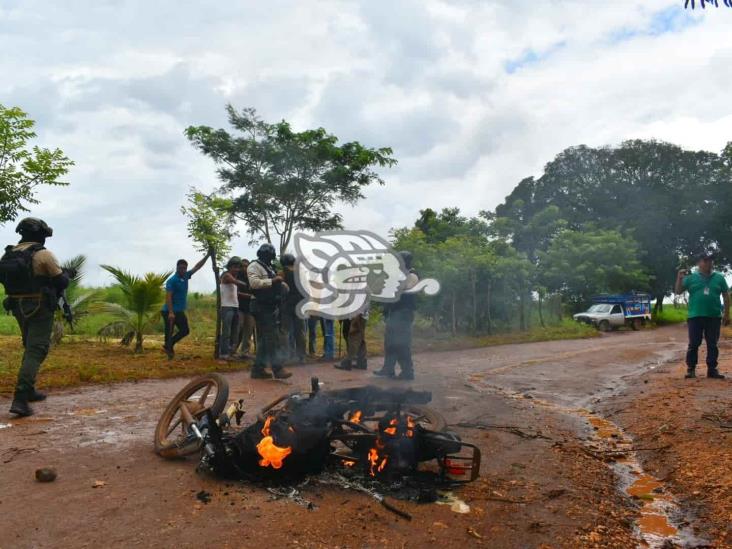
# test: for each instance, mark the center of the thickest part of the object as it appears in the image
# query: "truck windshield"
(600, 308)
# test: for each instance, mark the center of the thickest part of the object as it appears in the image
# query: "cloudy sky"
(472, 96)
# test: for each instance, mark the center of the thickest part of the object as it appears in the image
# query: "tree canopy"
(23, 168)
(280, 180)
(481, 280)
(210, 223)
(672, 201)
(597, 220)
(581, 264)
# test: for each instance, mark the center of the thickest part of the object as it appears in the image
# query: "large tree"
(484, 282)
(580, 264)
(672, 200)
(281, 180)
(22, 167)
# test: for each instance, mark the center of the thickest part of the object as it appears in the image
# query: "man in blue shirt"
(176, 299)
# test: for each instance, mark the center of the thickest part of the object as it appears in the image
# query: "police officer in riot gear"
(399, 317)
(33, 281)
(267, 288)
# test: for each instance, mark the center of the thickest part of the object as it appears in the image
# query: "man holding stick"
(176, 300)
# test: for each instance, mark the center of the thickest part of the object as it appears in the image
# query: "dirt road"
(528, 407)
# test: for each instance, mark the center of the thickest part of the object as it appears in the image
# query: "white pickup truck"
(610, 312)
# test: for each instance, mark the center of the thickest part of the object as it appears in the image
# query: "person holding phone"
(707, 312)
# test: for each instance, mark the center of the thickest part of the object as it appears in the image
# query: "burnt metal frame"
(365, 435)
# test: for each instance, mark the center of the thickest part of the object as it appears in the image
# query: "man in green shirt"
(706, 313)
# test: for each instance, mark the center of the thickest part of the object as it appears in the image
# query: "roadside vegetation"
(671, 314)
(598, 220)
(88, 356)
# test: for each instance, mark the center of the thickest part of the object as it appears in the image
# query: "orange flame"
(356, 417)
(272, 455)
(348, 463)
(410, 426)
(391, 430)
(377, 462)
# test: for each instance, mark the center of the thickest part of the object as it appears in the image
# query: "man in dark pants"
(292, 325)
(176, 300)
(706, 313)
(33, 287)
(267, 288)
(399, 317)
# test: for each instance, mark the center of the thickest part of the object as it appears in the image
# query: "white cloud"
(473, 96)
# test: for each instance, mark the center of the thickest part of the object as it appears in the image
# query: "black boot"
(714, 374)
(37, 396)
(406, 376)
(168, 352)
(690, 373)
(383, 373)
(260, 373)
(20, 407)
(281, 373)
(362, 365)
(344, 364)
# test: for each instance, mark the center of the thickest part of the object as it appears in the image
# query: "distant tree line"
(610, 219)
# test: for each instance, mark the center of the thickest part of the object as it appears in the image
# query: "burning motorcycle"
(383, 434)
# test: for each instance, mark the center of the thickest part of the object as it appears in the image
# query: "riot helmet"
(266, 253)
(32, 227)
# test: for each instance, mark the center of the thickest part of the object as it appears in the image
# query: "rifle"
(66, 309)
(63, 302)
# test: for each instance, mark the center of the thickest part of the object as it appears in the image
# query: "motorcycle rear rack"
(463, 460)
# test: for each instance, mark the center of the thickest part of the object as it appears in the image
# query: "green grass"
(8, 325)
(107, 362)
(566, 329)
(671, 315)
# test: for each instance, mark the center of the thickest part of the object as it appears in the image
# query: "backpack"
(16, 270)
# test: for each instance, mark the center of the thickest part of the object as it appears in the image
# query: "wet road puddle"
(655, 525)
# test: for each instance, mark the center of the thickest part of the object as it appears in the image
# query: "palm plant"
(78, 300)
(142, 299)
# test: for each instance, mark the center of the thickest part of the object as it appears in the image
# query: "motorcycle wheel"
(207, 392)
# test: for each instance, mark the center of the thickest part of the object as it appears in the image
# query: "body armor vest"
(16, 272)
(266, 297)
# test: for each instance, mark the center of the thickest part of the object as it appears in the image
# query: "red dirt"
(690, 421)
(534, 491)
